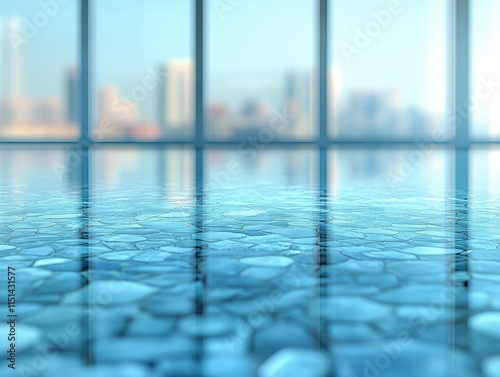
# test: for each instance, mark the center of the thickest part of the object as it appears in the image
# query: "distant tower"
(334, 87)
(13, 60)
(73, 95)
(176, 96)
(112, 107)
(10, 68)
(299, 102)
(2, 54)
(291, 90)
(108, 95)
(298, 93)
(2, 73)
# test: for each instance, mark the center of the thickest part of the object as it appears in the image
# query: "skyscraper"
(10, 68)
(73, 95)
(2, 54)
(108, 97)
(176, 97)
(299, 99)
(334, 88)
(297, 92)
(3, 103)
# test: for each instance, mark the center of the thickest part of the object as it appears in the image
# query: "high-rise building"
(14, 61)
(121, 113)
(333, 91)
(299, 101)
(176, 97)
(10, 67)
(2, 54)
(73, 95)
(334, 88)
(298, 92)
(108, 97)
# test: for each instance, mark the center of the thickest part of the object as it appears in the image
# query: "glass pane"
(37, 88)
(485, 69)
(145, 70)
(260, 69)
(388, 69)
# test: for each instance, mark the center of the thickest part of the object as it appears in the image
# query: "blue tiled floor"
(148, 277)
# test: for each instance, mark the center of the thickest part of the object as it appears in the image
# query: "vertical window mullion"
(323, 72)
(461, 91)
(85, 139)
(460, 228)
(85, 71)
(199, 69)
(461, 71)
(322, 77)
(323, 91)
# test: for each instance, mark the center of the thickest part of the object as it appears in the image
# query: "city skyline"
(175, 107)
(31, 91)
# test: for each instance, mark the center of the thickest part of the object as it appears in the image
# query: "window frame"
(459, 90)
(460, 143)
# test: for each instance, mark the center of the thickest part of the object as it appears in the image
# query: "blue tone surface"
(260, 273)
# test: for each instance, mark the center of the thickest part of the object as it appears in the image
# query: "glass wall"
(485, 70)
(389, 72)
(261, 64)
(39, 89)
(144, 70)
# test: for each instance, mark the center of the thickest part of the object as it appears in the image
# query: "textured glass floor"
(261, 273)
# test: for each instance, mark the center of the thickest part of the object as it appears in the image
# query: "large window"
(39, 74)
(191, 100)
(485, 70)
(260, 62)
(388, 73)
(144, 70)
(250, 73)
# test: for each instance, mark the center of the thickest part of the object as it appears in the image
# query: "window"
(39, 91)
(157, 73)
(144, 70)
(329, 73)
(253, 73)
(485, 70)
(388, 74)
(323, 94)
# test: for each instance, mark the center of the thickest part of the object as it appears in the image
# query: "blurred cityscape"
(364, 112)
(23, 116)
(175, 108)
(356, 113)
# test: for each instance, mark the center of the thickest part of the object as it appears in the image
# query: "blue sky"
(50, 51)
(132, 35)
(254, 44)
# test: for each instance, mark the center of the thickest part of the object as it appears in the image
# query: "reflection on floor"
(153, 279)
